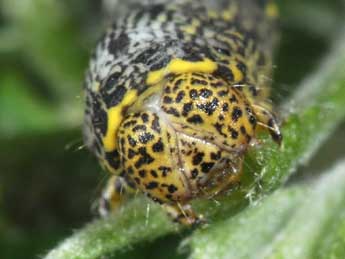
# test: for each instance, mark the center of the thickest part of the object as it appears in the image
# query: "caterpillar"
(175, 94)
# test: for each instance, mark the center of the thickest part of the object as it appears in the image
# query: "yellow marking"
(229, 14)
(213, 14)
(95, 86)
(114, 120)
(191, 29)
(272, 10)
(179, 66)
(162, 18)
(238, 75)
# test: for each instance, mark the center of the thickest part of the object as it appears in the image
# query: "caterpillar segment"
(175, 95)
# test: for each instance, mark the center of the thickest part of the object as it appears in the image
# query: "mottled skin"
(175, 94)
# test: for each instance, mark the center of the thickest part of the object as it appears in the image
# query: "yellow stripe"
(114, 120)
(179, 66)
(238, 75)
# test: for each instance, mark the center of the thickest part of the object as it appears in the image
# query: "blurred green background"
(48, 181)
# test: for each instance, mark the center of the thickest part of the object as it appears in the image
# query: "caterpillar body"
(175, 94)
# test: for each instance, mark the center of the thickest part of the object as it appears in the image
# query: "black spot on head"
(178, 83)
(167, 90)
(225, 107)
(145, 117)
(198, 158)
(187, 107)
(139, 128)
(195, 173)
(172, 111)
(154, 173)
(206, 167)
(137, 180)
(209, 107)
(151, 185)
(172, 188)
(131, 141)
(165, 170)
(236, 114)
(145, 137)
(144, 159)
(195, 81)
(205, 93)
(219, 128)
(233, 132)
(193, 94)
(130, 123)
(142, 173)
(131, 153)
(217, 84)
(200, 75)
(167, 100)
(136, 115)
(222, 93)
(179, 96)
(155, 124)
(243, 130)
(195, 119)
(158, 146)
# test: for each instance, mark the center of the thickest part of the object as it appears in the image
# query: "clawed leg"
(183, 214)
(113, 195)
(223, 179)
(266, 119)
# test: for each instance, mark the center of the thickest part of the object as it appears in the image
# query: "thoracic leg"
(266, 119)
(225, 178)
(182, 213)
(113, 195)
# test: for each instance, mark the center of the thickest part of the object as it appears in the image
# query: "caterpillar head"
(192, 129)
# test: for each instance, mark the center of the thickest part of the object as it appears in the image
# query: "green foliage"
(48, 182)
